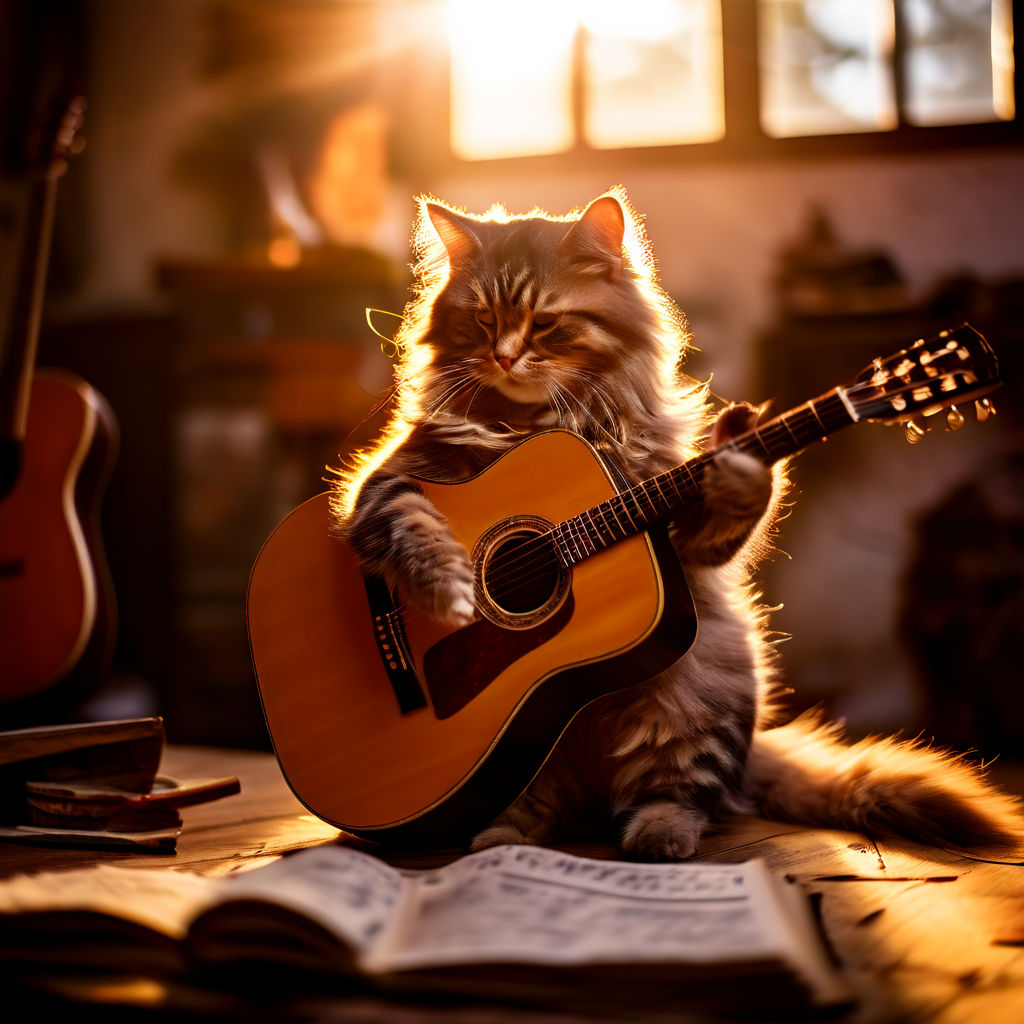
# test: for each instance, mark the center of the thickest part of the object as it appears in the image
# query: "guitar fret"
(657, 498)
(657, 483)
(611, 508)
(811, 406)
(592, 534)
(694, 482)
(639, 510)
(574, 533)
(614, 525)
(570, 550)
(784, 420)
(625, 511)
(761, 442)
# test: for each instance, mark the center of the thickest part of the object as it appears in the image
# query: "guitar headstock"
(956, 367)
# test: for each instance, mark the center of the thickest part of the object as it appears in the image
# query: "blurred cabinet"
(274, 370)
(858, 500)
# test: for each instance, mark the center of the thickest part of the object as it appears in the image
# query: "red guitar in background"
(58, 441)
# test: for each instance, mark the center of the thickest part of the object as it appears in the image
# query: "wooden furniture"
(924, 935)
(273, 369)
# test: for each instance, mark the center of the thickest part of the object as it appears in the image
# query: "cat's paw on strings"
(735, 483)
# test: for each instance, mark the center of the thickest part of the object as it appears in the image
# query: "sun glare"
(652, 74)
(511, 81)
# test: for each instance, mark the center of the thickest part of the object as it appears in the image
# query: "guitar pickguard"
(462, 665)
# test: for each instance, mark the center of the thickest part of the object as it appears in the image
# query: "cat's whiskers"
(450, 393)
(592, 381)
(479, 387)
(561, 406)
(456, 378)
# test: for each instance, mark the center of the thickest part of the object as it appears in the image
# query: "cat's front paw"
(517, 825)
(662, 830)
(455, 601)
(441, 581)
(737, 484)
(497, 835)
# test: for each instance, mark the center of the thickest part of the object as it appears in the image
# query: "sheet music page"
(529, 904)
(164, 900)
(350, 893)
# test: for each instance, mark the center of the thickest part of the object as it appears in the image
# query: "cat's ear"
(455, 232)
(594, 242)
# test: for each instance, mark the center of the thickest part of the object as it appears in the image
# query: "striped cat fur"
(520, 323)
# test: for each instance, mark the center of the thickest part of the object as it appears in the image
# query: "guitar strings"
(526, 568)
(510, 576)
(536, 556)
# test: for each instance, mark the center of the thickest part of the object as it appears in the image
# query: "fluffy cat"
(523, 323)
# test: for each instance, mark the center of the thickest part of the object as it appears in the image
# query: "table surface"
(922, 934)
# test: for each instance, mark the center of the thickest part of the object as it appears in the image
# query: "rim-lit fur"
(522, 323)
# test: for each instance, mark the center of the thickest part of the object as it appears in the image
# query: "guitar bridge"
(392, 646)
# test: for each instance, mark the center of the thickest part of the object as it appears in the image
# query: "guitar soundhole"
(519, 579)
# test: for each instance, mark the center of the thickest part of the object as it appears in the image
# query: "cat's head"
(539, 311)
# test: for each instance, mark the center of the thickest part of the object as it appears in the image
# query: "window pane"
(511, 83)
(826, 66)
(959, 60)
(652, 72)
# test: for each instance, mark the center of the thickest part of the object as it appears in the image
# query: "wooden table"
(923, 934)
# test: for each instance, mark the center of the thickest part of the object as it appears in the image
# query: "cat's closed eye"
(545, 321)
(486, 317)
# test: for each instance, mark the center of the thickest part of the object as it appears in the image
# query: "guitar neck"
(17, 354)
(659, 498)
(19, 326)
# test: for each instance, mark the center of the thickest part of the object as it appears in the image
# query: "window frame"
(744, 138)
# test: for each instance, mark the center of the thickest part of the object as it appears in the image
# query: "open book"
(517, 923)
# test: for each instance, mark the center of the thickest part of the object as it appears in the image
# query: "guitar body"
(55, 603)
(432, 753)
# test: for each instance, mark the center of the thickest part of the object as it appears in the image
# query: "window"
(832, 65)
(649, 73)
(614, 75)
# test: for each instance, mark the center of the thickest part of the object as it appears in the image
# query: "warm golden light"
(826, 67)
(284, 253)
(652, 74)
(510, 79)
(1003, 98)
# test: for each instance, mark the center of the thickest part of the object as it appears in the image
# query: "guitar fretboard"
(654, 500)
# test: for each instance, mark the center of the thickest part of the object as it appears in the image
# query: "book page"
(352, 894)
(526, 904)
(163, 900)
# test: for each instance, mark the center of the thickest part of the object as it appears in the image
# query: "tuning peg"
(913, 432)
(954, 418)
(983, 408)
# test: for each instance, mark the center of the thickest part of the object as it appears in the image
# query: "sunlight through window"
(959, 61)
(652, 73)
(511, 77)
(548, 76)
(827, 66)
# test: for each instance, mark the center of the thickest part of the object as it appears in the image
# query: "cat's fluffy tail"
(805, 772)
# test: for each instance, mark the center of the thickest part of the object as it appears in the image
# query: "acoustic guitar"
(394, 727)
(58, 440)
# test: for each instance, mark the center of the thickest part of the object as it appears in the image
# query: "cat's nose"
(505, 362)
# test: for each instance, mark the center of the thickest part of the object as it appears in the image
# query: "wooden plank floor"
(924, 935)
